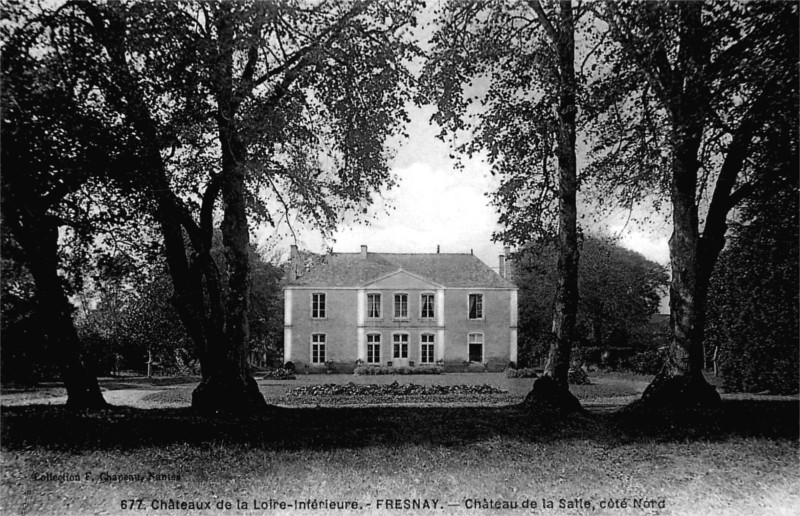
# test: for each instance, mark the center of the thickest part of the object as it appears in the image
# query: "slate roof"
(446, 269)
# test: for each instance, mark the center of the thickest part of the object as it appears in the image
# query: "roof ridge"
(413, 254)
(446, 269)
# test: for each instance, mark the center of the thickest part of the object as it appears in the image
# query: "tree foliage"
(237, 113)
(525, 52)
(493, 76)
(699, 105)
(745, 80)
(752, 326)
(124, 325)
(621, 290)
(127, 317)
(58, 146)
(26, 357)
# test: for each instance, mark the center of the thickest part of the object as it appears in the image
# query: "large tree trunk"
(553, 388)
(40, 244)
(218, 330)
(680, 385)
(229, 384)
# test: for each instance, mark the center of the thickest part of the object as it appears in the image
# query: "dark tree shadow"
(324, 428)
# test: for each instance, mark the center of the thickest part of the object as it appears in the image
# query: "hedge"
(371, 370)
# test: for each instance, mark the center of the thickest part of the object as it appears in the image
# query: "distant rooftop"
(446, 269)
(662, 319)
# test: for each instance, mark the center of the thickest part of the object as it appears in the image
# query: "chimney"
(294, 259)
(508, 264)
(363, 252)
(502, 265)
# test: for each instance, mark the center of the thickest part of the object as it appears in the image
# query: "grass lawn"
(277, 392)
(460, 458)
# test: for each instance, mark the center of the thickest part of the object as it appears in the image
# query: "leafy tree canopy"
(745, 73)
(752, 326)
(620, 291)
(493, 75)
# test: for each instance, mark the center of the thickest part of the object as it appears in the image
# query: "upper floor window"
(476, 306)
(318, 306)
(401, 306)
(373, 306)
(426, 304)
(318, 342)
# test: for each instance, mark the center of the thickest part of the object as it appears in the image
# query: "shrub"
(645, 362)
(759, 364)
(371, 370)
(289, 366)
(753, 306)
(279, 374)
(476, 367)
(185, 365)
(525, 372)
(607, 357)
(587, 355)
(578, 377)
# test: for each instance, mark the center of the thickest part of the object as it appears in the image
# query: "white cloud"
(432, 206)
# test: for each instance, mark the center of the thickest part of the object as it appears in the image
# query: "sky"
(436, 204)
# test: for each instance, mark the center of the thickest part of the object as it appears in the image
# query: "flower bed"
(393, 389)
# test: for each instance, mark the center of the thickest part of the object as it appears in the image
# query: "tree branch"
(246, 81)
(548, 27)
(207, 209)
(722, 200)
(327, 35)
(656, 69)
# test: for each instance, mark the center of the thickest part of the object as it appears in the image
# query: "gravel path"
(129, 397)
(126, 397)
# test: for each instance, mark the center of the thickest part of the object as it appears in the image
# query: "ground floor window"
(374, 348)
(426, 350)
(318, 348)
(476, 347)
(400, 342)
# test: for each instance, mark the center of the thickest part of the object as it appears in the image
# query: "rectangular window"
(318, 348)
(318, 306)
(476, 347)
(426, 302)
(426, 351)
(476, 306)
(400, 341)
(401, 306)
(373, 306)
(374, 348)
